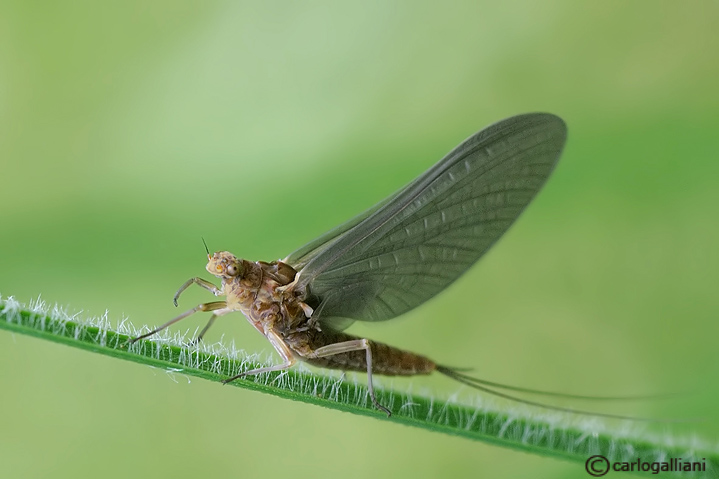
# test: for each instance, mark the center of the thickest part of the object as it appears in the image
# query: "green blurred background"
(130, 130)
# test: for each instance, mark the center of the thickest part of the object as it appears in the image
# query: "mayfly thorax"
(391, 258)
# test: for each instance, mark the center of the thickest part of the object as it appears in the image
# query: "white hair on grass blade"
(462, 410)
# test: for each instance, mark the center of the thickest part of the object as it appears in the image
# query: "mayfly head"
(224, 265)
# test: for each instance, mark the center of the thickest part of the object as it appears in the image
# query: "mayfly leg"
(214, 306)
(199, 282)
(348, 347)
(209, 324)
(281, 348)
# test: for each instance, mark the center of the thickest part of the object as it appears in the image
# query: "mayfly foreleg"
(348, 347)
(200, 282)
(281, 348)
(214, 306)
(209, 324)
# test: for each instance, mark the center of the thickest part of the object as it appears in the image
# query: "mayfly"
(391, 258)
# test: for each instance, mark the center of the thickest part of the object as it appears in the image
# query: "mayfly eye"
(231, 270)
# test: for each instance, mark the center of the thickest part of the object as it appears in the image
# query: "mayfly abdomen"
(386, 360)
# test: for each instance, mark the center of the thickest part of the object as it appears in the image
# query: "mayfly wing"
(301, 256)
(409, 247)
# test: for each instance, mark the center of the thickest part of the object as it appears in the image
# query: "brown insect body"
(257, 291)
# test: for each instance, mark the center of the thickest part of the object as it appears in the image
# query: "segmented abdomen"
(386, 360)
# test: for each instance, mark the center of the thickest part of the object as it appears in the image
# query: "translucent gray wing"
(401, 252)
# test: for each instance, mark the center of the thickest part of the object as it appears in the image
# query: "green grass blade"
(552, 433)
